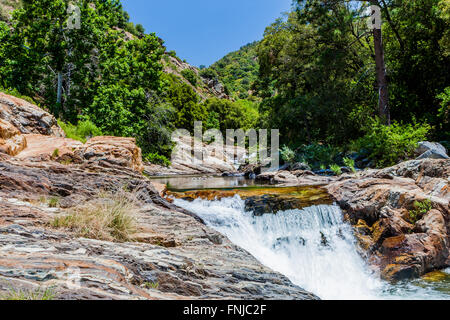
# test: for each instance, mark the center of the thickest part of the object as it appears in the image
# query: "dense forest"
(312, 75)
(239, 70)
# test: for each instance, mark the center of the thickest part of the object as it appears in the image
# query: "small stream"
(312, 246)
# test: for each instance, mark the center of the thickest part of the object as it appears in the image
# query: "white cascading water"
(313, 247)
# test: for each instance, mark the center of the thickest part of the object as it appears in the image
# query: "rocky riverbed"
(400, 216)
(171, 255)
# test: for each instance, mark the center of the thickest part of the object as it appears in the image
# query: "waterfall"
(313, 247)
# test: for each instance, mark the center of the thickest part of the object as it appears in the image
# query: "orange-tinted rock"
(396, 272)
(11, 141)
(383, 199)
(115, 150)
(46, 147)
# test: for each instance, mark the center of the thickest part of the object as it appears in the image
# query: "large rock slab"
(108, 152)
(42, 148)
(114, 150)
(379, 204)
(173, 255)
(28, 118)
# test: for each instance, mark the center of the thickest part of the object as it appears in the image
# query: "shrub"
(318, 155)
(108, 217)
(157, 159)
(190, 76)
(82, 131)
(336, 169)
(151, 285)
(55, 153)
(287, 154)
(17, 94)
(173, 54)
(444, 113)
(53, 202)
(208, 73)
(420, 209)
(390, 144)
(350, 163)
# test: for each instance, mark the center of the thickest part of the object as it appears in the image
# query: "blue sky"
(203, 31)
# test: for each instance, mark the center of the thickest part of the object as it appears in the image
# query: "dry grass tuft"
(38, 294)
(110, 217)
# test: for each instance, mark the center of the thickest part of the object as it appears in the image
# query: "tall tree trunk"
(383, 103)
(59, 89)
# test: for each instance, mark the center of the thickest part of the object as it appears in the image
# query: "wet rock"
(250, 171)
(379, 202)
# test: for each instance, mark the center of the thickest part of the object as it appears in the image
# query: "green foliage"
(336, 169)
(287, 154)
(238, 70)
(417, 49)
(55, 153)
(186, 103)
(39, 294)
(151, 285)
(173, 54)
(140, 29)
(82, 131)
(317, 69)
(157, 159)
(115, 83)
(444, 113)
(208, 73)
(190, 76)
(241, 114)
(421, 208)
(14, 92)
(53, 202)
(390, 144)
(444, 8)
(317, 155)
(350, 163)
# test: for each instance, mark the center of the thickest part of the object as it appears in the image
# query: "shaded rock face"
(28, 118)
(379, 204)
(173, 256)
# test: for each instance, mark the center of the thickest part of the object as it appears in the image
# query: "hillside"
(204, 87)
(238, 70)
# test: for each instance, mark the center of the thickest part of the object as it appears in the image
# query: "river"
(312, 246)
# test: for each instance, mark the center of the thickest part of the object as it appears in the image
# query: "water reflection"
(204, 182)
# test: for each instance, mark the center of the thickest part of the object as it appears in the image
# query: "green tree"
(186, 103)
